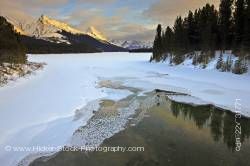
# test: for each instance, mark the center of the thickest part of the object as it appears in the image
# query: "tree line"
(206, 29)
(11, 49)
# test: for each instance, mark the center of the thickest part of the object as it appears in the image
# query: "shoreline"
(13, 72)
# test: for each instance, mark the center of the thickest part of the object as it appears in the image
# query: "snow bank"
(212, 62)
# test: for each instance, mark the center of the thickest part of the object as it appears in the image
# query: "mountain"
(133, 44)
(46, 21)
(47, 32)
(45, 28)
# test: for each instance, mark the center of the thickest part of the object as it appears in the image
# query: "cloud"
(113, 27)
(165, 11)
(24, 10)
(13, 9)
(45, 3)
(143, 35)
(97, 1)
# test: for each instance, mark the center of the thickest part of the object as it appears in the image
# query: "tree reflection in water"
(221, 122)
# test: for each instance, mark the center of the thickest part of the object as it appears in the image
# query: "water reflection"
(173, 134)
(221, 123)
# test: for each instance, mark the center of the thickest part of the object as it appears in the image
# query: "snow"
(211, 65)
(42, 109)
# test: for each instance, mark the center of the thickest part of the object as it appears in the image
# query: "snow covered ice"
(40, 109)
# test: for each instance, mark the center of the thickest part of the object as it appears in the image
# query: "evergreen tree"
(225, 23)
(240, 66)
(168, 40)
(191, 31)
(179, 37)
(208, 25)
(158, 47)
(179, 44)
(228, 64)
(239, 20)
(219, 62)
(246, 29)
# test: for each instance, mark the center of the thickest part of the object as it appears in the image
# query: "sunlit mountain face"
(92, 31)
(46, 27)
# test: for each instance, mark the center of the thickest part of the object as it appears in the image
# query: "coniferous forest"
(11, 49)
(207, 30)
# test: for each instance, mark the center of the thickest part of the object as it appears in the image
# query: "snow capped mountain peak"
(57, 24)
(92, 31)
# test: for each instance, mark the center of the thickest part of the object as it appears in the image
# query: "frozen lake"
(40, 110)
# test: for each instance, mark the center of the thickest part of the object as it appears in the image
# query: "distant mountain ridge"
(133, 44)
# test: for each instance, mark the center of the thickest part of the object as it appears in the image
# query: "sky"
(116, 19)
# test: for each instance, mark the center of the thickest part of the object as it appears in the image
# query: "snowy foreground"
(39, 110)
